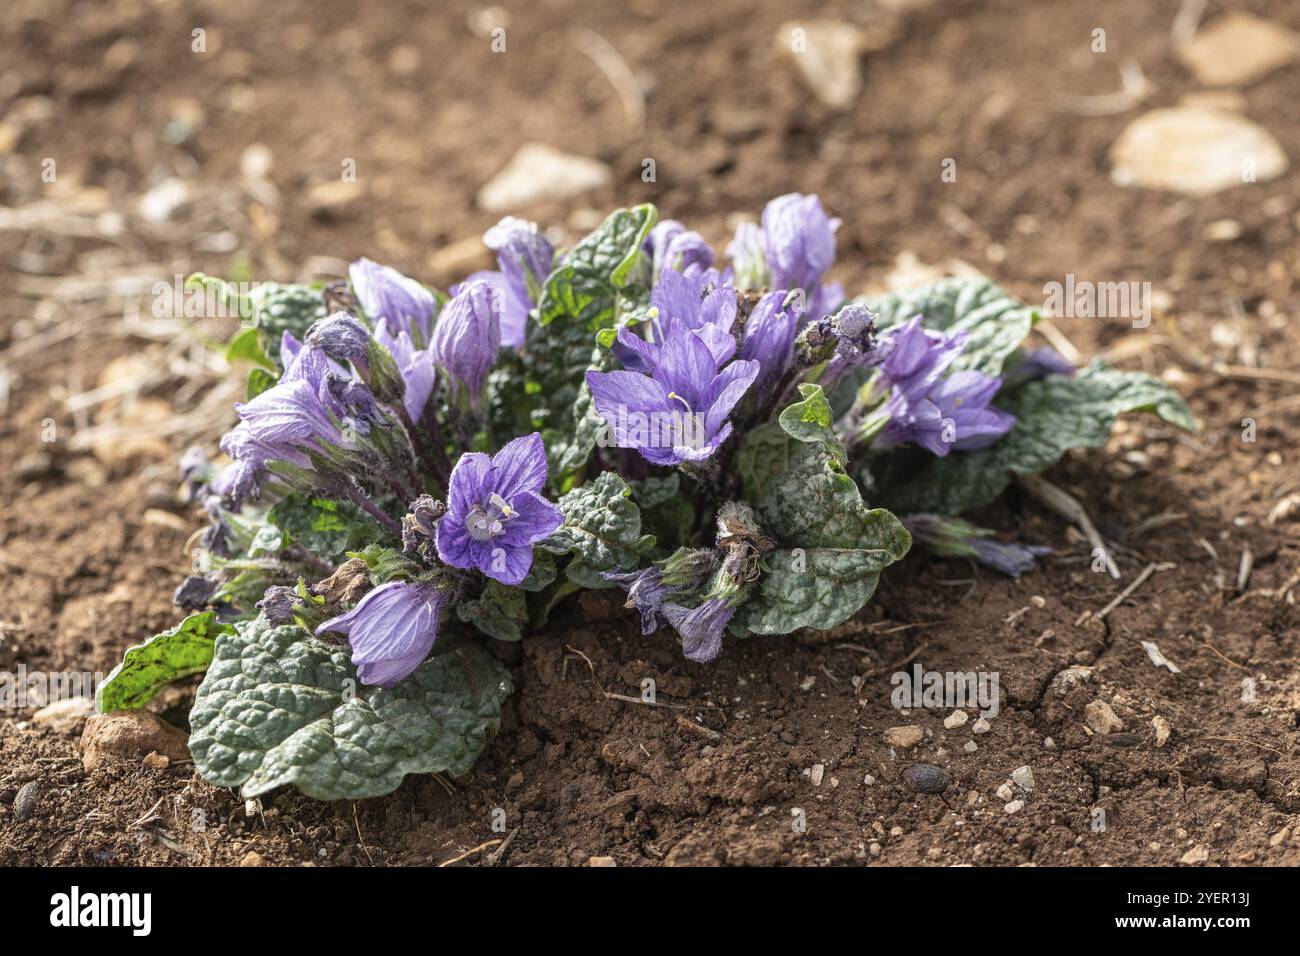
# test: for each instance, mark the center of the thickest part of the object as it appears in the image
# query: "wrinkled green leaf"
(832, 547)
(280, 706)
(325, 527)
(258, 381)
(1054, 414)
(584, 287)
(280, 308)
(602, 529)
(500, 611)
(810, 421)
(149, 667)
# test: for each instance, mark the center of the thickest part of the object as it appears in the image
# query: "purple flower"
(289, 348)
(194, 593)
(956, 537)
(678, 412)
(1037, 363)
(798, 241)
(342, 338)
(524, 259)
(917, 357)
(1011, 558)
(495, 512)
(748, 258)
(414, 365)
(699, 303)
(468, 335)
(645, 592)
(391, 630)
(954, 414)
(385, 294)
(700, 628)
(673, 247)
(769, 337)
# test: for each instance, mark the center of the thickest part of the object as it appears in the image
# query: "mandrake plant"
(737, 446)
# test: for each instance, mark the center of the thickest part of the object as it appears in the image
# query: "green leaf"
(325, 527)
(280, 308)
(246, 346)
(996, 321)
(810, 421)
(1054, 414)
(602, 528)
(281, 706)
(585, 286)
(147, 668)
(500, 611)
(386, 564)
(831, 546)
(258, 381)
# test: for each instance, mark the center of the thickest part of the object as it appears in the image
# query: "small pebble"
(1163, 730)
(970, 746)
(1015, 806)
(1023, 778)
(875, 849)
(1005, 792)
(981, 726)
(926, 778)
(896, 831)
(904, 737)
(1280, 837)
(156, 761)
(816, 774)
(1049, 743)
(1101, 718)
(25, 802)
(869, 780)
(955, 719)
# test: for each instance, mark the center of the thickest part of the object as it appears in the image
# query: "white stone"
(1023, 777)
(1237, 48)
(64, 715)
(827, 54)
(1005, 792)
(816, 774)
(1015, 806)
(1194, 151)
(981, 726)
(539, 172)
(955, 719)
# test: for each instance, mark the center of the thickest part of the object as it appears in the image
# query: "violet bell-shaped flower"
(646, 591)
(798, 241)
(673, 247)
(678, 412)
(391, 630)
(467, 337)
(387, 296)
(495, 511)
(415, 367)
(524, 259)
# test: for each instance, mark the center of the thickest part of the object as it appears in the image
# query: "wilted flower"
(468, 335)
(194, 593)
(916, 357)
(645, 592)
(278, 604)
(419, 525)
(956, 537)
(391, 630)
(403, 304)
(700, 628)
(1037, 363)
(495, 512)
(678, 412)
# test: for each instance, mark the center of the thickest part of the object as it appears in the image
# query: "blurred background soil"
(129, 157)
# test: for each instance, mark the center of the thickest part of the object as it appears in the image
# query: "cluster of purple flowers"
(378, 407)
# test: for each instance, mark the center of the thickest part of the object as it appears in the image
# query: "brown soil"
(89, 554)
